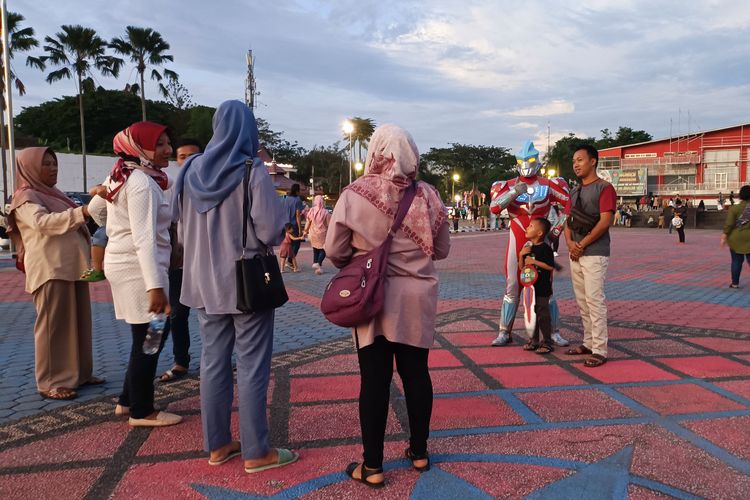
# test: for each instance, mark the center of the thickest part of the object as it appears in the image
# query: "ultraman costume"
(528, 196)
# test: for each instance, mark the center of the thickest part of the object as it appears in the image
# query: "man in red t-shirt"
(590, 213)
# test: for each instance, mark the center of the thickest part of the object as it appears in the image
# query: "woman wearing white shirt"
(137, 257)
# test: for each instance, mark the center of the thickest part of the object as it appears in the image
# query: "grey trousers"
(252, 335)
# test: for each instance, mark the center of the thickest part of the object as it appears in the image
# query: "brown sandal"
(578, 351)
(594, 361)
(94, 381)
(530, 346)
(59, 394)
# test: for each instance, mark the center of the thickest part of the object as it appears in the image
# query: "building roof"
(681, 137)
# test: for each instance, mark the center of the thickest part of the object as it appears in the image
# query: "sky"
(474, 72)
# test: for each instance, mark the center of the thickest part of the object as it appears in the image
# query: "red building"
(700, 165)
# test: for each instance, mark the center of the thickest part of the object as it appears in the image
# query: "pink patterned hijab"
(317, 214)
(392, 164)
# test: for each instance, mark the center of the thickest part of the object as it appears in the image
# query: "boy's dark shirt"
(543, 253)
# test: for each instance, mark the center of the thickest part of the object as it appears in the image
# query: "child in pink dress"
(285, 250)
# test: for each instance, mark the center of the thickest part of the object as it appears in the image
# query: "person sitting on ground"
(286, 250)
(540, 256)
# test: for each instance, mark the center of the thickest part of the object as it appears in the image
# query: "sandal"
(92, 276)
(544, 349)
(578, 351)
(229, 456)
(59, 394)
(530, 346)
(594, 361)
(286, 457)
(364, 474)
(413, 456)
(94, 381)
(173, 374)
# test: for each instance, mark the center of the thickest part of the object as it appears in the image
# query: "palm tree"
(78, 50)
(363, 130)
(145, 46)
(20, 40)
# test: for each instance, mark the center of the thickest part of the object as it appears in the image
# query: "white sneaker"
(502, 339)
(559, 340)
(316, 266)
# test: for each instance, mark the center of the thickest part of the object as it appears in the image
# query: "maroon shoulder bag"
(356, 294)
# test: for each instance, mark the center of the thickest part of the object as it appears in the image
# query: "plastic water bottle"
(153, 335)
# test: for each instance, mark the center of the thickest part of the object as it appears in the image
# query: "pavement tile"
(304, 389)
(533, 376)
(721, 344)
(628, 370)
(58, 484)
(501, 355)
(575, 404)
(707, 366)
(680, 398)
(472, 411)
(732, 434)
(335, 420)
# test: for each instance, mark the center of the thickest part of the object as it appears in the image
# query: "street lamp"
(551, 172)
(456, 178)
(358, 167)
(348, 128)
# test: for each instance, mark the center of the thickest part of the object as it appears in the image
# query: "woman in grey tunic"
(208, 202)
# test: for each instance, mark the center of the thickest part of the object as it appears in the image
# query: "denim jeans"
(737, 259)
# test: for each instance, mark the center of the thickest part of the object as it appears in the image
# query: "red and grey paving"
(667, 416)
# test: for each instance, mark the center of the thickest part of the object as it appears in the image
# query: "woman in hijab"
(53, 248)
(137, 258)
(317, 227)
(209, 194)
(405, 328)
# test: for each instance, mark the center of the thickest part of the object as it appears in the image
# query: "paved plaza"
(667, 416)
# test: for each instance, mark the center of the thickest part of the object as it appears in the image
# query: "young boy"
(540, 255)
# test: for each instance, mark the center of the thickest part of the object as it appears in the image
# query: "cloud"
(525, 125)
(556, 107)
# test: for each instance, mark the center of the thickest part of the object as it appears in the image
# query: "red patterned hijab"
(392, 164)
(136, 146)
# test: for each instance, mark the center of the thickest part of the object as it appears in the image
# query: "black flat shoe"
(413, 456)
(365, 473)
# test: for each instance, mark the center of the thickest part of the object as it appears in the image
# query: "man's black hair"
(189, 141)
(546, 225)
(294, 191)
(678, 202)
(745, 193)
(591, 151)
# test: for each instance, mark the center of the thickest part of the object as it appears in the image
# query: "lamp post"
(348, 128)
(455, 179)
(358, 167)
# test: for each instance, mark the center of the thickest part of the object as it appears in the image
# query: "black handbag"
(259, 283)
(579, 221)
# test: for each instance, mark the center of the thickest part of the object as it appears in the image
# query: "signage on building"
(630, 182)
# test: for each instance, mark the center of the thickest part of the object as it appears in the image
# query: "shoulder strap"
(247, 204)
(403, 208)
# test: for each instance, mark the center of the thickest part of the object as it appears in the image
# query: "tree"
(560, 155)
(478, 166)
(178, 95)
(54, 123)
(623, 136)
(145, 46)
(324, 164)
(20, 40)
(282, 150)
(363, 130)
(77, 49)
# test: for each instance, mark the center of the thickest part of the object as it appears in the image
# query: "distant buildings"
(699, 165)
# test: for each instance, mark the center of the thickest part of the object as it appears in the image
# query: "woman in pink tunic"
(318, 219)
(405, 328)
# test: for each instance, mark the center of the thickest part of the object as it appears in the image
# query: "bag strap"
(403, 209)
(247, 204)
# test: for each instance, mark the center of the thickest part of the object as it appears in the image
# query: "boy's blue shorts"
(100, 238)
